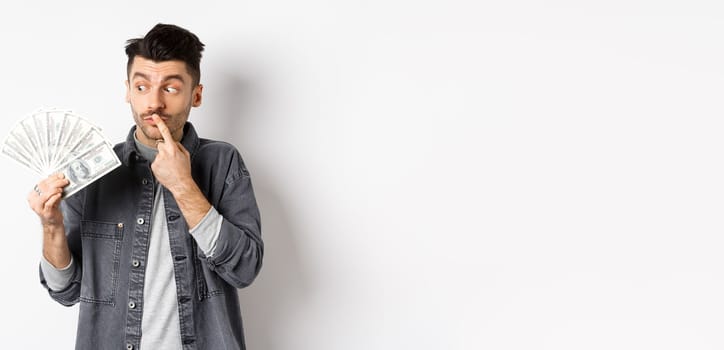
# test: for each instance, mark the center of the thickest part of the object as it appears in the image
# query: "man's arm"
(238, 250)
(45, 201)
(57, 262)
(172, 168)
(57, 279)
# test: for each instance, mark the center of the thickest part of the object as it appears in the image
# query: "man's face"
(163, 88)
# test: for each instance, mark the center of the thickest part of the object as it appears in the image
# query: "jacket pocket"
(101, 261)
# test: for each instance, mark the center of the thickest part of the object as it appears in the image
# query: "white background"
(431, 174)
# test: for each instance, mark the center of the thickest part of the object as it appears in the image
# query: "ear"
(128, 92)
(196, 98)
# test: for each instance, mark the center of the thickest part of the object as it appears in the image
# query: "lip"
(150, 121)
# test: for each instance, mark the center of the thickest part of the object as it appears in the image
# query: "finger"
(161, 125)
(37, 202)
(58, 183)
(51, 184)
(43, 197)
(60, 177)
(34, 195)
(183, 149)
(33, 202)
(44, 182)
(53, 201)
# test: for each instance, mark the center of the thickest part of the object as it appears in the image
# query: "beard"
(174, 122)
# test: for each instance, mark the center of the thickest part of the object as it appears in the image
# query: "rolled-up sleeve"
(57, 279)
(237, 255)
(206, 232)
(69, 294)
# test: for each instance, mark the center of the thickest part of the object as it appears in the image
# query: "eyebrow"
(167, 78)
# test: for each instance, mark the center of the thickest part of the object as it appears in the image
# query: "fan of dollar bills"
(53, 140)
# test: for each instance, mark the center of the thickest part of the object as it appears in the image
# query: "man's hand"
(45, 199)
(172, 168)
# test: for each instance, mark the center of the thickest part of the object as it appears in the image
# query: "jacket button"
(131, 305)
(136, 263)
(144, 181)
(120, 225)
(140, 221)
(129, 346)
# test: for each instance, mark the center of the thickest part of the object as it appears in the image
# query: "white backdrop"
(431, 174)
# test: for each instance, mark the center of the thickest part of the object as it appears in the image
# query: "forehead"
(158, 71)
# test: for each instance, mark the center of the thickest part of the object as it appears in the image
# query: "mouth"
(149, 119)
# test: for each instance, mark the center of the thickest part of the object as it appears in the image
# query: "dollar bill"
(90, 139)
(56, 119)
(88, 167)
(18, 140)
(13, 150)
(20, 150)
(64, 137)
(40, 120)
(28, 132)
(52, 140)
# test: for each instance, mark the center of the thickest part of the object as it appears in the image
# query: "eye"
(141, 88)
(171, 89)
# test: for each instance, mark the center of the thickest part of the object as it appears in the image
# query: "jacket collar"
(190, 141)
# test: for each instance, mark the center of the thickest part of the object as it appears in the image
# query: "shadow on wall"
(280, 287)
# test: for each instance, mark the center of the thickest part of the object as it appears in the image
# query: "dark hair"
(167, 42)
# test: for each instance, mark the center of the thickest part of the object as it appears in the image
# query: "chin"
(150, 132)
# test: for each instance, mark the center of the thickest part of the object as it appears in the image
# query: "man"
(155, 250)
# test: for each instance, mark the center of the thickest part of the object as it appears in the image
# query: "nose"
(155, 100)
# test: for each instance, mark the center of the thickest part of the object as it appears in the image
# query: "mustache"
(155, 111)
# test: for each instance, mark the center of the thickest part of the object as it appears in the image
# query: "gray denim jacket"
(108, 223)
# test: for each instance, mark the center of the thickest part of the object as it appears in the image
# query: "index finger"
(161, 125)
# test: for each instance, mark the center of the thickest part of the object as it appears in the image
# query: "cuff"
(57, 279)
(206, 232)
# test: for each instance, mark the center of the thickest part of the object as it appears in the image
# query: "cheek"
(133, 103)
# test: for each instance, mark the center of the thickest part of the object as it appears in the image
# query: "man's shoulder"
(210, 145)
(217, 153)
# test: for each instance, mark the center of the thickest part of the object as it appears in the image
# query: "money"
(53, 140)
(88, 167)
